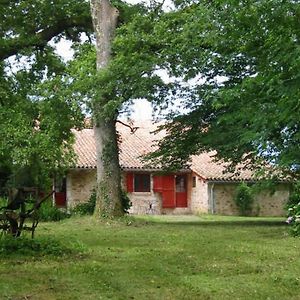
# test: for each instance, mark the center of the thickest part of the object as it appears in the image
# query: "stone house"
(202, 188)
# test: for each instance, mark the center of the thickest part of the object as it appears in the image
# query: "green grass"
(164, 257)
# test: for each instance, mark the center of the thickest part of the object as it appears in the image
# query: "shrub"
(244, 199)
(3, 202)
(293, 209)
(294, 197)
(48, 212)
(126, 203)
(86, 208)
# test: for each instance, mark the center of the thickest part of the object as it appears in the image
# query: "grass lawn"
(156, 258)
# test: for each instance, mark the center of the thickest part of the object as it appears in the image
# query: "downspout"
(212, 199)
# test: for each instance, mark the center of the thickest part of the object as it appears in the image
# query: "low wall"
(265, 202)
(145, 203)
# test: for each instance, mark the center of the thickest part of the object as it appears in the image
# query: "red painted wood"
(181, 191)
(181, 199)
(157, 183)
(168, 191)
(60, 198)
(129, 182)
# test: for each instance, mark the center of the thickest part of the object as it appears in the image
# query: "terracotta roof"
(85, 148)
(141, 142)
(205, 166)
(132, 147)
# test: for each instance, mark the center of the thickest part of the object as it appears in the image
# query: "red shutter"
(157, 184)
(60, 199)
(168, 191)
(129, 182)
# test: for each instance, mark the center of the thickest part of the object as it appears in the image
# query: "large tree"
(45, 92)
(105, 18)
(116, 90)
(233, 65)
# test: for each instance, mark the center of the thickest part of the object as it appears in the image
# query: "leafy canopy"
(233, 65)
(36, 118)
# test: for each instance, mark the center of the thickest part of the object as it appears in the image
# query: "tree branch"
(41, 38)
(133, 129)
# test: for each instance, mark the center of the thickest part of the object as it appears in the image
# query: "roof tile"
(142, 141)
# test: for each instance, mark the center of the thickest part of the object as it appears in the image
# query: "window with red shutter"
(142, 182)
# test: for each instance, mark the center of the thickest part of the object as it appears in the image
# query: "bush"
(86, 208)
(126, 203)
(294, 197)
(3, 202)
(244, 199)
(293, 209)
(48, 212)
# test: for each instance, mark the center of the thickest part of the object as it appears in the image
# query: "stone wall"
(265, 203)
(199, 196)
(151, 203)
(273, 204)
(144, 202)
(203, 198)
(80, 184)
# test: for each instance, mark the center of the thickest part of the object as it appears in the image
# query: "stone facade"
(202, 197)
(151, 203)
(199, 195)
(80, 184)
(265, 203)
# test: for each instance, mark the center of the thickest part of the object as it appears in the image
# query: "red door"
(165, 185)
(181, 191)
(168, 193)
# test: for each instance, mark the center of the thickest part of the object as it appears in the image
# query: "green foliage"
(293, 209)
(86, 208)
(126, 203)
(3, 202)
(239, 58)
(36, 117)
(294, 197)
(244, 199)
(49, 212)
(294, 219)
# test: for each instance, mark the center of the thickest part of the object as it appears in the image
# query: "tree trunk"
(108, 202)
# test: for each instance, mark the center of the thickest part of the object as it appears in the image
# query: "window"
(180, 184)
(142, 182)
(194, 181)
